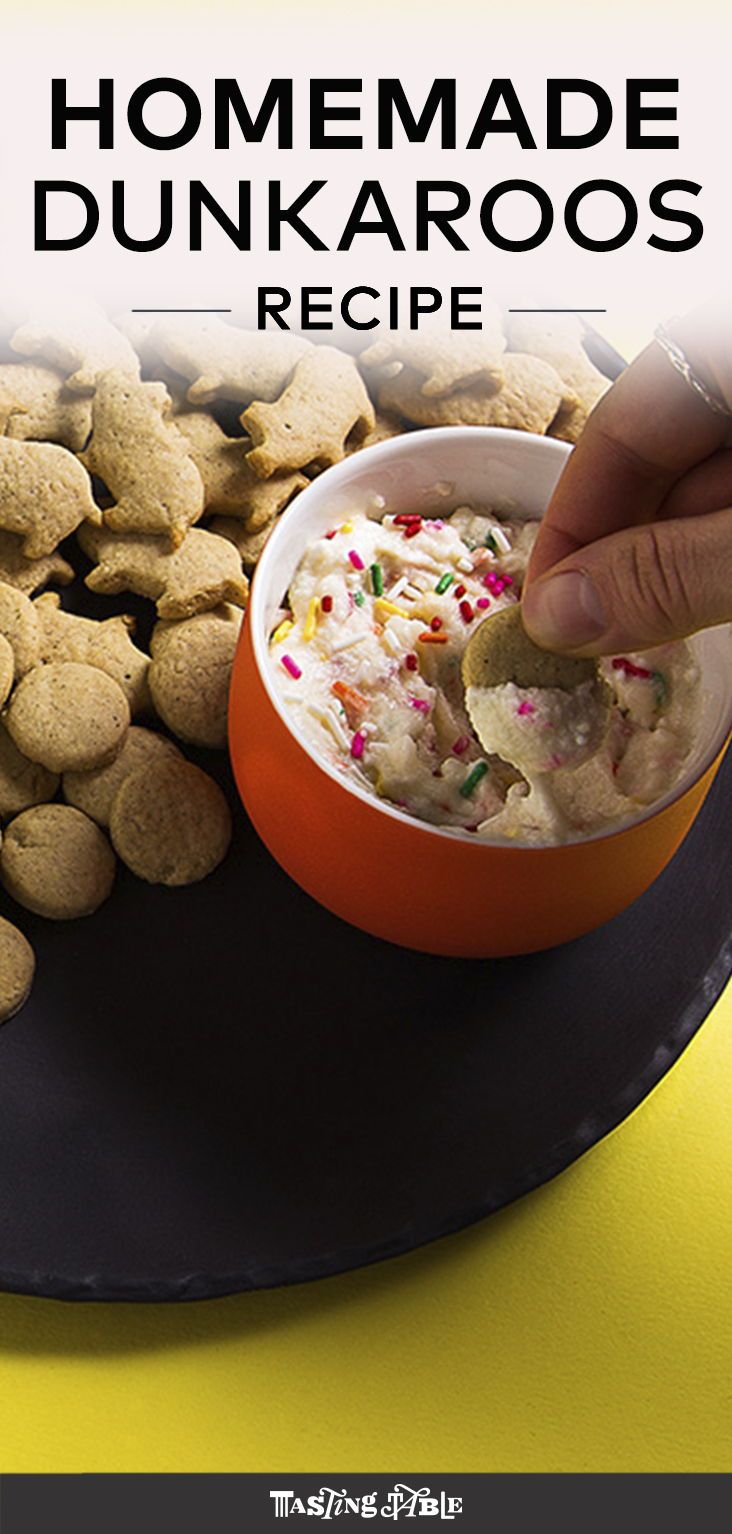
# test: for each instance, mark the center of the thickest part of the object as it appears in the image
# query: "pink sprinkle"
(357, 744)
(507, 580)
(291, 666)
(526, 707)
(483, 602)
(495, 583)
(621, 663)
(438, 524)
(355, 559)
(420, 703)
(555, 761)
(460, 745)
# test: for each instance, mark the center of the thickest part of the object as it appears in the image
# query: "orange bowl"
(428, 887)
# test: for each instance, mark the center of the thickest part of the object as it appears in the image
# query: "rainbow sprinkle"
(483, 602)
(526, 707)
(311, 620)
(385, 606)
(377, 580)
(291, 666)
(468, 787)
(357, 744)
(466, 612)
(359, 598)
(411, 662)
(282, 630)
(443, 583)
(326, 604)
(660, 688)
(460, 746)
(429, 638)
(355, 559)
(420, 703)
(497, 583)
(629, 668)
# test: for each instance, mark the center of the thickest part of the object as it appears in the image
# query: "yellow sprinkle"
(391, 607)
(282, 630)
(346, 527)
(311, 620)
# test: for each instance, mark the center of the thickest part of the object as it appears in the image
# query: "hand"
(636, 546)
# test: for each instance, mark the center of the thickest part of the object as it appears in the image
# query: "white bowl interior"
(506, 471)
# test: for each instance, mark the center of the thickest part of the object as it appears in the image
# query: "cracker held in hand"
(29, 575)
(230, 485)
(23, 783)
(19, 625)
(500, 650)
(558, 339)
(45, 410)
(17, 968)
(57, 862)
(107, 644)
(444, 360)
(79, 339)
(190, 674)
(324, 402)
(45, 494)
(94, 792)
(68, 717)
(170, 823)
(528, 399)
(223, 362)
(144, 460)
(204, 571)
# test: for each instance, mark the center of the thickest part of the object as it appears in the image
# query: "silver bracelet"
(680, 362)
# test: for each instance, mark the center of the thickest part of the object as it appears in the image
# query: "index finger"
(647, 431)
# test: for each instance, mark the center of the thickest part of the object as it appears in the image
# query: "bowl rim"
(335, 476)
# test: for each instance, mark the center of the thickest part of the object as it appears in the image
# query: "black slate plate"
(225, 1087)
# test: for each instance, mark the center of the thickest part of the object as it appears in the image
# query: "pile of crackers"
(153, 456)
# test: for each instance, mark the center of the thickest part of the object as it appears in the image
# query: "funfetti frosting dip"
(366, 657)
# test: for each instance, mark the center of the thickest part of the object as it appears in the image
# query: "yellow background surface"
(586, 1328)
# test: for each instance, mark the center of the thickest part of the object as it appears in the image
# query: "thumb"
(636, 588)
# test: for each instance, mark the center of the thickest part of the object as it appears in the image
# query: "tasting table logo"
(403, 1502)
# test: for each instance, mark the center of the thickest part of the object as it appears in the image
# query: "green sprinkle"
(490, 543)
(377, 580)
(467, 789)
(443, 583)
(660, 689)
(359, 598)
